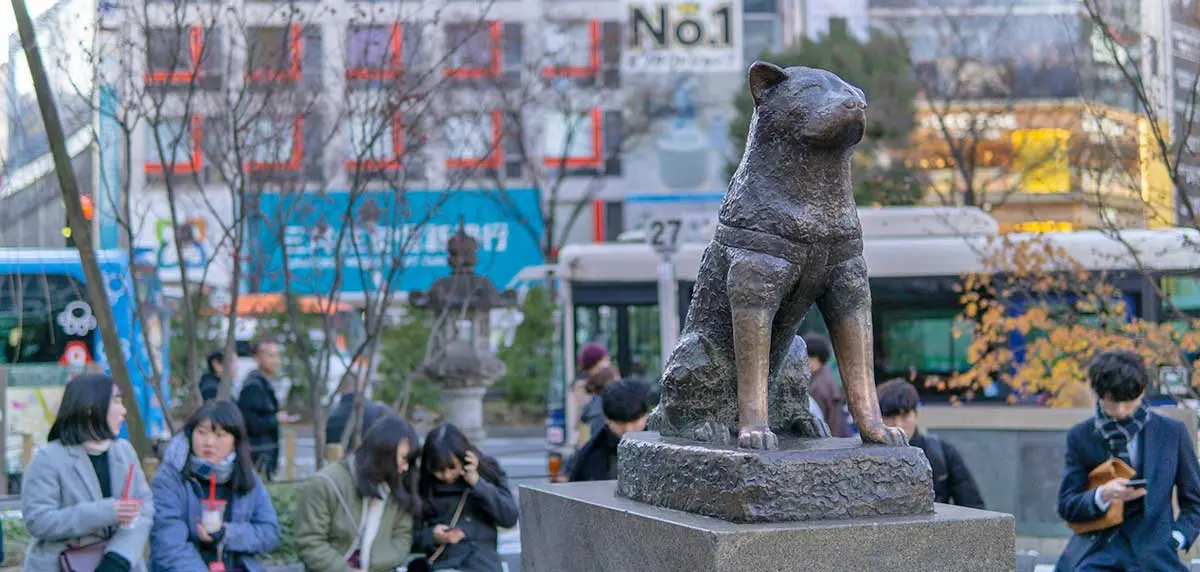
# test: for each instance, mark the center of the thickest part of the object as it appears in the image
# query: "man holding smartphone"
(1162, 455)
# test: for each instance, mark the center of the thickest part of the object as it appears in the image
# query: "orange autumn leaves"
(1033, 290)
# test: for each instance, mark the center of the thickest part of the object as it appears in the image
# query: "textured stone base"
(584, 527)
(806, 479)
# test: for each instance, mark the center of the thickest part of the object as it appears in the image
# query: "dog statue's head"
(811, 106)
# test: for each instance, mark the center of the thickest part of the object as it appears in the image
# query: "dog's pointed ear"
(764, 75)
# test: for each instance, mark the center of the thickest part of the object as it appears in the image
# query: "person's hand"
(443, 534)
(471, 468)
(127, 510)
(203, 534)
(1116, 490)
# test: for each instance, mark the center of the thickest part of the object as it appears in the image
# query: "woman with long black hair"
(73, 496)
(211, 505)
(465, 500)
(357, 514)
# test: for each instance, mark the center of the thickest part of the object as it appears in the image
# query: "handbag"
(82, 559)
(426, 564)
(1111, 469)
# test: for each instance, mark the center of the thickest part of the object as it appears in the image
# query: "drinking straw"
(128, 482)
(212, 487)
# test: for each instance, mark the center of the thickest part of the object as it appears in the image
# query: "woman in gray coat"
(71, 496)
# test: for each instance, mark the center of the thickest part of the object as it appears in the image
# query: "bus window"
(1180, 294)
(645, 344)
(31, 330)
(631, 334)
(924, 341)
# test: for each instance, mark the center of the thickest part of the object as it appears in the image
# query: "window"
(275, 54)
(1181, 293)
(180, 146)
(925, 341)
(173, 55)
(575, 137)
(474, 50)
(572, 49)
(761, 34)
(474, 141)
(378, 143)
(380, 52)
(276, 144)
(44, 318)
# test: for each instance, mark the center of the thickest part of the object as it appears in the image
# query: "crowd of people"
(393, 501)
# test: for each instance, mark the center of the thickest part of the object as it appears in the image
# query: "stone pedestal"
(464, 408)
(585, 527)
(804, 480)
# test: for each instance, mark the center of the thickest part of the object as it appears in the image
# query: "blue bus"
(48, 334)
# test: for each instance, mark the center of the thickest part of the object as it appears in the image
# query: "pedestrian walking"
(84, 498)
(1124, 524)
(260, 408)
(626, 408)
(210, 380)
(825, 390)
(210, 505)
(339, 416)
(357, 514)
(953, 482)
(465, 499)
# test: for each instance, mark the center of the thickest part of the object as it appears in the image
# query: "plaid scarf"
(1118, 433)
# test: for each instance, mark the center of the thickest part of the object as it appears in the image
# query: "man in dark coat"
(1157, 448)
(343, 410)
(260, 408)
(825, 389)
(626, 405)
(210, 380)
(952, 480)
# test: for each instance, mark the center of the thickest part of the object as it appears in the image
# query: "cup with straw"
(213, 516)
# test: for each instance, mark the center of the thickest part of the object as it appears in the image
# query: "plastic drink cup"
(213, 516)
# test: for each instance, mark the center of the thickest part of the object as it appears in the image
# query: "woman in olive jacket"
(357, 514)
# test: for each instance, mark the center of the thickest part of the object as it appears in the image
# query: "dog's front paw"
(761, 438)
(884, 435)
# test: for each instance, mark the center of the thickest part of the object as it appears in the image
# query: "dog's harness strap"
(795, 252)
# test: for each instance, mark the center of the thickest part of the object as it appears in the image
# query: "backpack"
(936, 452)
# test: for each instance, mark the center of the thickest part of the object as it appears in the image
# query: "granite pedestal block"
(805, 479)
(585, 527)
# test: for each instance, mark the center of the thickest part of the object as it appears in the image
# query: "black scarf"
(1118, 433)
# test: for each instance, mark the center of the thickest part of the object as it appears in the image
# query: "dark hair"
(443, 446)
(625, 400)
(83, 413)
(1119, 375)
(264, 341)
(818, 347)
(215, 357)
(226, 416)
(596, 382)
(897, 397)
(375, 461)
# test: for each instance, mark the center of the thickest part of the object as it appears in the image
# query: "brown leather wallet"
(1111, 469)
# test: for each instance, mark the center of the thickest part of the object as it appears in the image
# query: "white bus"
(915, 255)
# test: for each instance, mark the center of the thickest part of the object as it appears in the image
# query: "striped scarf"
(1118, 433)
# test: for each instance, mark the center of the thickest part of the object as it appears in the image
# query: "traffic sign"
(663, 234)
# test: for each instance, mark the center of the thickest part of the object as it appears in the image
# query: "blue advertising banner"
(396, 237)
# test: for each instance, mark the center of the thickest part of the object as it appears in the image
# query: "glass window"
(759, 35)
(570, 135)
(469, 45)
(169, 49)
(568, 44)
(44, 318)
(1181, 293)
(469, 137)
(369, 47)
(176, 140)
(270, 49)
(926, 342)
(760, 6)
(371, 138)
(271, 140)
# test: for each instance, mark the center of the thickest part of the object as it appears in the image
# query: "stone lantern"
(461, 360)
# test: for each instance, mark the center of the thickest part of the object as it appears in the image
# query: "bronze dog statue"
(788, 236)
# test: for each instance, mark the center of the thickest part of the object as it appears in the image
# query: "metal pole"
(668, 305)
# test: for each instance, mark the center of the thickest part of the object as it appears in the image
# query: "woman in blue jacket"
(213, 448)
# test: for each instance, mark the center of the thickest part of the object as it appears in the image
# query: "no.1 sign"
(678, 36)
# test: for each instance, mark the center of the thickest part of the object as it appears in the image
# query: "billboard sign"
(678, 36)
(396, 237)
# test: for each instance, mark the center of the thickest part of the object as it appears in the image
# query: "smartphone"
(1136, 483)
